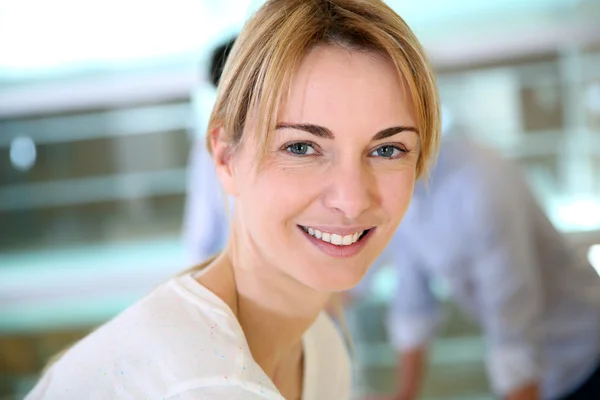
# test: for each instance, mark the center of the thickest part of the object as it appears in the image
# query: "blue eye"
(300, 149)
(387, 151)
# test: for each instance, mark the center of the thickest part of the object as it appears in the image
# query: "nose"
(350, 189)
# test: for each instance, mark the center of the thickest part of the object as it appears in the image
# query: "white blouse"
(183, 342)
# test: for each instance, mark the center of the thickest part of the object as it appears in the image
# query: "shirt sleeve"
(205, 223)
(506, 279)
(414, 313)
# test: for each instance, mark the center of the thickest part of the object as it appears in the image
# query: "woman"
(326, 114)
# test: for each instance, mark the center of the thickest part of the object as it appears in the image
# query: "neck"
(274, 314)
(273, 309)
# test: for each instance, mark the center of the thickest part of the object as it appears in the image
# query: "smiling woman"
(342, 162)
(326, 114)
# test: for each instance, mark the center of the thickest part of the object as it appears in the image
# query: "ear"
(223, 159)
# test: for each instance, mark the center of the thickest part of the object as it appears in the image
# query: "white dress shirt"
(478, 228)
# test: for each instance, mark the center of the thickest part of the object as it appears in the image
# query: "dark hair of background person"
(217, 60)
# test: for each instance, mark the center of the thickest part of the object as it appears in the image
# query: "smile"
(334, 238)
(341, 243)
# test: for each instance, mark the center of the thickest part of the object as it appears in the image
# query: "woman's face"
(339, 173)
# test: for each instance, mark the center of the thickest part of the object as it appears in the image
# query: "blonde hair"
(258, 73)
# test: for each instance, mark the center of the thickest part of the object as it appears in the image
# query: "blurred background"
(96, 122)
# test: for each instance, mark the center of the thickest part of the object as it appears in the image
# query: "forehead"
(334, 85)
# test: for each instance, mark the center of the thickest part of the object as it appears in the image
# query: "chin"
(334, 278)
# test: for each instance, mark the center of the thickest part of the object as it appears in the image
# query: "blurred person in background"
(326, 114)
(205, 224)
(478, 228)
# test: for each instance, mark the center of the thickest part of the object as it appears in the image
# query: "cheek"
(396, 193)
(278, 194)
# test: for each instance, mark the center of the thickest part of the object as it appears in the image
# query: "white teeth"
(346, 240)
(334, 238)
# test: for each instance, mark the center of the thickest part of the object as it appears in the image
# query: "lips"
(341, 242)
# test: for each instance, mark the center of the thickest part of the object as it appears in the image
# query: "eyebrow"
(325, 133)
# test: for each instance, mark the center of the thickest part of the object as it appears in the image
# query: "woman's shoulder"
(180, 332)
(180, 312)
